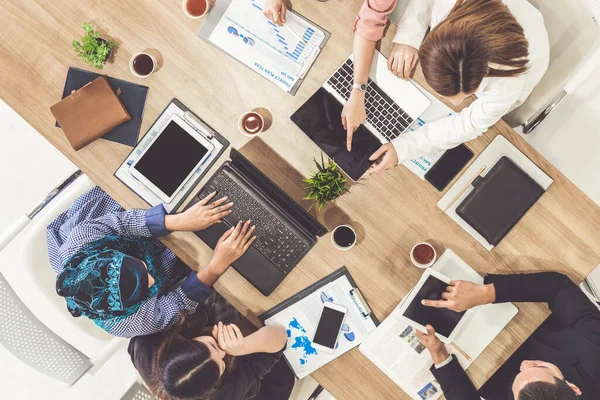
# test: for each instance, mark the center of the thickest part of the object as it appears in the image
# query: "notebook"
(499, 200)
(133, 97)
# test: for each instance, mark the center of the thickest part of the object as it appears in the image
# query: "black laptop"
(285, 232)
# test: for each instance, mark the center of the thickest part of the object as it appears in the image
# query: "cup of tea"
(423, 255)
(195, 8)
(343, 237)
(142, 64)
(251, 124)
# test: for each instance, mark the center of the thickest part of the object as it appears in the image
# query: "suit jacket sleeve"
(569, 305)
(454, 381)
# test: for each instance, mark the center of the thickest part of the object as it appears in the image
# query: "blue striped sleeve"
(155, 221)
(195, 289)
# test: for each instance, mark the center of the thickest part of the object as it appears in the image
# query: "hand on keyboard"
(353, 115)
(233, 244)
(200, 216)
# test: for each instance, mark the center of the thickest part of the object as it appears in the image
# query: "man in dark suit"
(560, 361)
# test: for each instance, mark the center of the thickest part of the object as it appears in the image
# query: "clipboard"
(356, 295)
(235, 35)
(219, 142)
(360, 321)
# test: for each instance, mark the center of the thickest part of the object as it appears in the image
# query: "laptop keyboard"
(273, 239)
(382, 112)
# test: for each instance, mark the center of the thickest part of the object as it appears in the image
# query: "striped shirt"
(95, 215)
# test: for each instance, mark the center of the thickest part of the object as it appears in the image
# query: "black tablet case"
(133, 97)
(499, 200)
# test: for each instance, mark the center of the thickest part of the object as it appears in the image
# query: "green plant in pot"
(326, 185)
(93, 49)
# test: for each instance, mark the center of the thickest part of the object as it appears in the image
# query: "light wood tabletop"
(391, 212)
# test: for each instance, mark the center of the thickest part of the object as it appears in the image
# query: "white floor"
(30, 167)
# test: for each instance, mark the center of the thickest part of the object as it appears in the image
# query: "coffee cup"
(195, 8)
(343, 237)
(423, 255)
(251, 124)
(142, 64)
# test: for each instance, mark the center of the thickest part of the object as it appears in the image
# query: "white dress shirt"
(495, 96)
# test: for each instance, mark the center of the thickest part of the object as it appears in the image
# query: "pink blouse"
(372, 18)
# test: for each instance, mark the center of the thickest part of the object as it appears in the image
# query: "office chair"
(573, 31)
(35, 325)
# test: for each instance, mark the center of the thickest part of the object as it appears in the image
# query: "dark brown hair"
(457, 53)
(184, 369)
(559, 390)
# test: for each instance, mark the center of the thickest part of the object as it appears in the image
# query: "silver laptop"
(392, 104)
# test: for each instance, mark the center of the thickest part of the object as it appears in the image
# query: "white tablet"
(446, 323)
(171, 158)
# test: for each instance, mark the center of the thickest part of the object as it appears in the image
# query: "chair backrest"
(33, 343)
(138, 392)
(573, 37)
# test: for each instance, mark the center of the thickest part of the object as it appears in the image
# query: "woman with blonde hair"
(497, 50)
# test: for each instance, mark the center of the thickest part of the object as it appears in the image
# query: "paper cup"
(154, 64)
(187, 14)
(337, 246)
(419, 265)
(241, 126)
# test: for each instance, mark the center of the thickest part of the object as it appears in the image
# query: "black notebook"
(133, 97)
(499, 200)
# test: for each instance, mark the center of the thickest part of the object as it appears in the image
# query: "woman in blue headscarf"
(113, 269)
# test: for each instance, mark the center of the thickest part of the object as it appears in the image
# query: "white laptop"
(392, 104)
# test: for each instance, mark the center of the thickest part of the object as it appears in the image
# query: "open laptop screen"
(320, 119)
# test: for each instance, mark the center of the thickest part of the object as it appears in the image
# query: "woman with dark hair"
(199, 359)
(113, 269)
(497, 50)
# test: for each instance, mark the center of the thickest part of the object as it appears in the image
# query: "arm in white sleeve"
(491, 105)
(414, 23)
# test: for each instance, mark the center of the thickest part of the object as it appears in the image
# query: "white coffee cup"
(418, 264)
(154, 63)
(241, 124)
(337, 246)
(187, 14)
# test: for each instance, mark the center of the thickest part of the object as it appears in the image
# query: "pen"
(295, 34)
(465, 355)
(464, 189)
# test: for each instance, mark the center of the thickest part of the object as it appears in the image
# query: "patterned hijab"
(107, 279)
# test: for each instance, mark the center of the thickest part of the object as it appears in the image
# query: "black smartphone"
(448, 166)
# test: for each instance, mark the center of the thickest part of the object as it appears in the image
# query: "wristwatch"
(361, 87)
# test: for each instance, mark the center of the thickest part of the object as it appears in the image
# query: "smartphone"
(329, 327)
(448, 166)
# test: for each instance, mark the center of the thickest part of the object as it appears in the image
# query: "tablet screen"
(320, 118)
(171, 158)
(443, 320)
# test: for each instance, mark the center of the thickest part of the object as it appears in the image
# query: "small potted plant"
(93, 49)
(326, 185)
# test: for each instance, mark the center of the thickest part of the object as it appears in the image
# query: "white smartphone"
(329, 327)
(171, 158)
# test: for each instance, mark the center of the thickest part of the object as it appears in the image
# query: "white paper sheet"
(280, 54)
(300, 320)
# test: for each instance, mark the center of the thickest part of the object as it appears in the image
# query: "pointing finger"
(435, 303)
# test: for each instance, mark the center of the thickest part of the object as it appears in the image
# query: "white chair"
(573, 32)
(35, 324)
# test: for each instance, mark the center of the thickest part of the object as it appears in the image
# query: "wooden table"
(391, 211)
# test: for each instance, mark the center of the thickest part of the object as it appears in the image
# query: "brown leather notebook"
(90, 112)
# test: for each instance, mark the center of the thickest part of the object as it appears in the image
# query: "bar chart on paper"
(280, 53)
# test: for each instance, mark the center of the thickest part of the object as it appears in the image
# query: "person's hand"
(233, 244)
(462, 295)
(433, 344)
(275, 10)
(200, 216)
(385, 158)
(229, 338)
(403, 60)
(353, 115)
